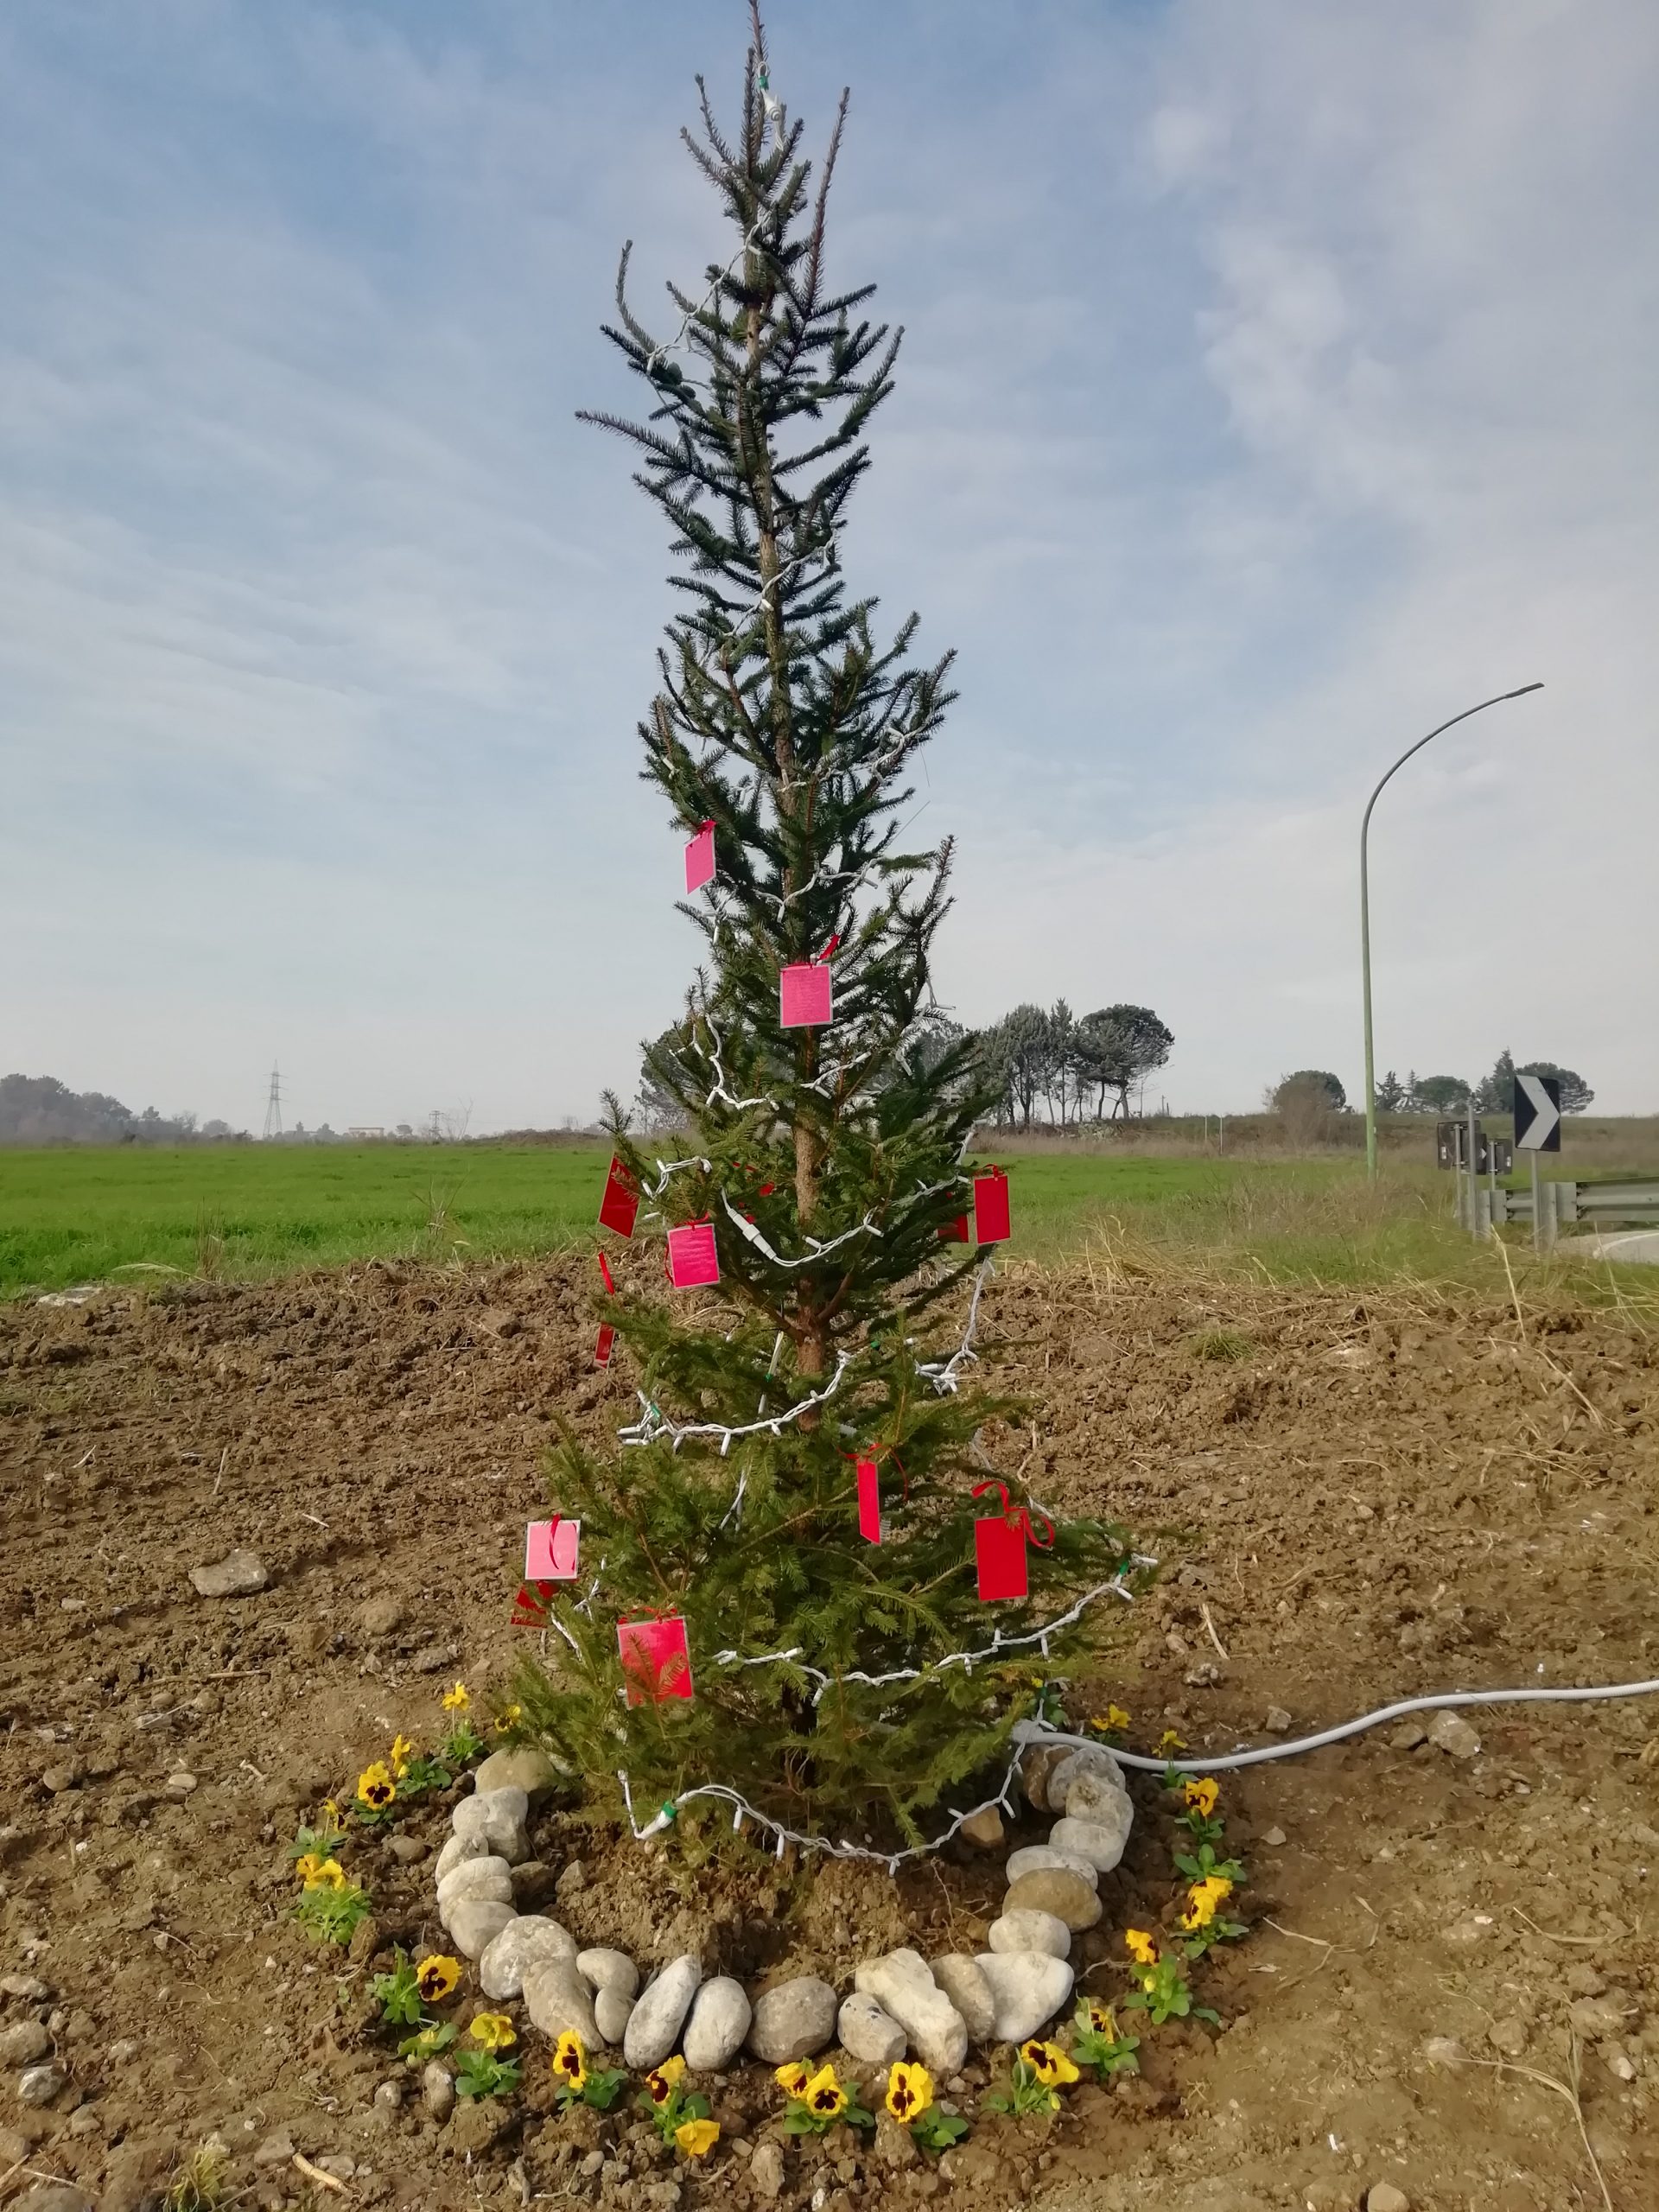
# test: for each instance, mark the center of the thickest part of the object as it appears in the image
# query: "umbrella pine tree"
(829, 1686)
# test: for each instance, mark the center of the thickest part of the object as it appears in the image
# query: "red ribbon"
(828, 950)
(637, 1614)
(1019, 1516)
(605, 1270)
(709, 824)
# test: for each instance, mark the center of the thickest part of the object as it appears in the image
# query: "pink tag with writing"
(551, 1548)
(803, 995)
(656, 1659)
(1000, 1554)
(620, 1203)
(991, 1207)
(692, 1259)
(869, 1502)
(700, 858)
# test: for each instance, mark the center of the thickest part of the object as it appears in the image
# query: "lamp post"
(1365, 905)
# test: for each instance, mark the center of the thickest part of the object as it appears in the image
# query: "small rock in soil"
(29, 1987)
(380, 1615)
(1444, 2050)
(966, 1987)
(1030, 1930)
(239, 1575)
(522, 1945)
(389, 2104)
(1594, 2017)
(408, 1848)
(181, 1784)
(1383, 2196)
(1100, 1846)
(1278, 1722)
(555, 1997)
(277, 2150)
(474, 1923)
(1028, 1987)
(1273, 1838)
(572, 1882)
(655, 2023)
(767, 2167)
(27, 2040)
(57, 1779)
(794, 2020)
(1037, 1858)
(982, 1829)
(1452, 1734)
(605, 1969)
(895, 2146)
(867, 2033)
(1407, 1736)
(499, 1816)
(718, 2022)
(38, 2085)
(903, 1985)
(434, 1659)
(1508, 2036)
(1058, 1891)
(522, 1766)
(437, 2090)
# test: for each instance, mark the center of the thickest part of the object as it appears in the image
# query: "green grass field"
(241, 1212)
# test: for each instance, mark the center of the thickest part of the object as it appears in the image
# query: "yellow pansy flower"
(823, 2094)
(1201, 1794)
(1049, 2063)
(493, 2031)
(1140, 1946)
(402, 1750)
(793, 2078)
(457, 1700)
(570, 2060)
(375, 1786)
(698, 2137)
(910, 2092)
(436, 1976)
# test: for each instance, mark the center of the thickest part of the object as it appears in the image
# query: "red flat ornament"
(869, 1502)
(656, 1659)
(1000, 1546)
(955, 1232)
(700, 858)
(991, 1207)
(530, 1606)
(604, 1344)
(620, 1203)
(692, 1258)
(550, 1549)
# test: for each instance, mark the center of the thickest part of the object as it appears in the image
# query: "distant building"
(365, 1133)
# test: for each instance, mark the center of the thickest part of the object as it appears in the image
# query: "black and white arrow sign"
(1537, 1114)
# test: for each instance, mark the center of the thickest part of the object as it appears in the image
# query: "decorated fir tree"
(824, 1379)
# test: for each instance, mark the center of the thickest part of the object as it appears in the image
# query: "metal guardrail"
(1603, 1205)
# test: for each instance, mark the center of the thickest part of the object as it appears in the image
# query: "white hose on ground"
(1035, 1732)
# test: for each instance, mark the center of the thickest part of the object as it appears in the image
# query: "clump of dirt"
(1363, 1500)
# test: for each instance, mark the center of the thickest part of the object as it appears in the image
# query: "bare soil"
(1355, 1501)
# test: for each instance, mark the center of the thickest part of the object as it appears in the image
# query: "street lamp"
(1365, 907)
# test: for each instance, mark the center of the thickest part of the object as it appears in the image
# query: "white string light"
(708, 298)
(655, 1424)
(942, 1374)
(745, 1227)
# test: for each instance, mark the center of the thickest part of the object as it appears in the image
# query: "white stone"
(718, 2022)
(603, 1969)
(476, 1878)
(458, 1848)
(1027, 1929)
(437, 2090)
(474, 1923)
(903, 1985)
(959, 1977)
(1100, 1846)
(555, 1997)
(612, 2010)
(1452, 1734)
(1084, 1758)
(1027, 1988)
(655, 2023)
(1094, 1797)
(521, 1945)
(497, 1815)
(794, 2020)
(1042, 1859)
(867, 2033)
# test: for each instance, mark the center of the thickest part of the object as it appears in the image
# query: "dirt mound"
(1356, 1500)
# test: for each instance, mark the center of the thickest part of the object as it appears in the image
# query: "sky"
(1277, 381)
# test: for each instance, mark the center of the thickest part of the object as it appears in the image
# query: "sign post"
(1538, 1128)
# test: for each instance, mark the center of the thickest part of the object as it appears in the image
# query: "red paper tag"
(656, 1659)
(803, 995)
(869, 1502)
(692, 1258)
(700, 858)
(551, 1548)
(956, 1232)
(991, 1207)
(605, 1275)
(1000, 1554)
(530, 1606)
(620, 1203)
(604, 1344)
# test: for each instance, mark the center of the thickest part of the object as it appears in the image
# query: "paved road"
(1627, 1244)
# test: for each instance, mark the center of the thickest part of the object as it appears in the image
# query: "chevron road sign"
(1537, 1113)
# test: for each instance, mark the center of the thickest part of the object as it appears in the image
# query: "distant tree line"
(39, 1110)
(1492, 1094)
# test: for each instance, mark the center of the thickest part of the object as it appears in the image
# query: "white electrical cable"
(1034, 1732)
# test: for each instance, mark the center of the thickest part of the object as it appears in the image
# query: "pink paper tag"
(551, 1548)
(803, 995)
(692, 1259)
(656, 1659)
(620, 1203)
(869, 1502)
(991, 1207)
(700, 858)
(1000, 1554)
